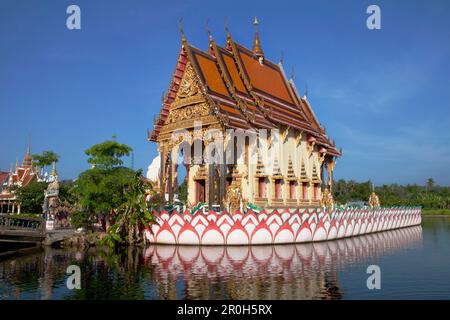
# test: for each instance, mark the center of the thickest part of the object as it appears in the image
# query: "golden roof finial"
(228, 45)
(180, 27)
(211, 39)
(257, 50)
(225, 23)
(17, 164)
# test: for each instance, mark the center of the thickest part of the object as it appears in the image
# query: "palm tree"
(430, 184)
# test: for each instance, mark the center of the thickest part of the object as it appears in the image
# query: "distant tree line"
(429, 196)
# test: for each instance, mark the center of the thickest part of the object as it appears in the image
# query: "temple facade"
(231, 104)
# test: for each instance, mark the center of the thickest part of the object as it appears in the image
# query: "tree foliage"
(429, 196)
(132, 216)
(114, 191)
(31, 197)
(102, 190)
(45, 159)
(108, 154)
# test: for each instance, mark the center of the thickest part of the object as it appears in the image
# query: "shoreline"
(436, 215)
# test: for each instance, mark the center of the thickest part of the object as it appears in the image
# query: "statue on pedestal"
(327, 199)
(51, 200)
(374, 201)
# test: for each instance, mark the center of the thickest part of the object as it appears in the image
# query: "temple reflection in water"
(303, 271)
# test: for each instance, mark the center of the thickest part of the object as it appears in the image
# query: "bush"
(80, 219)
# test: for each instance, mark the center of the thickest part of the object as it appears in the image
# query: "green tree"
(31, 197)
(103, 189)
(108, 154)
(46, 158)
(132, 216)
(430, 184)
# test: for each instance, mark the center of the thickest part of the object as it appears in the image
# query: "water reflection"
(302, 271)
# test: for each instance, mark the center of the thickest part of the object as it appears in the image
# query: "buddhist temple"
(231, 92)
(20, 177)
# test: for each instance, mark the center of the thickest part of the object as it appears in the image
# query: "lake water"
(414, 264)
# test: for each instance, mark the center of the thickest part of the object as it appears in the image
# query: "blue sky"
(382, 94)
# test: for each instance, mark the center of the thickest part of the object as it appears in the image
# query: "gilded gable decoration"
(298, 138)
(189, 83)
(284, 134)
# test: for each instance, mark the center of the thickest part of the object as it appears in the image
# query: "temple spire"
(17, 165)
(10, 180)
(27, 163)
(257, 50)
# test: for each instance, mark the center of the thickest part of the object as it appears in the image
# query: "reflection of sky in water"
(414, 264)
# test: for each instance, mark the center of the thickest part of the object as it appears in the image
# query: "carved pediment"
(189, 112)
(189, 83)
(189, 91)
(189, 102)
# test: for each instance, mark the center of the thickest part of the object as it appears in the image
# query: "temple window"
(316, 191)
(305, 190)
(278, 189)
(262, 187)
(291, 189)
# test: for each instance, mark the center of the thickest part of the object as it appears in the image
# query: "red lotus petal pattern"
(279, 226)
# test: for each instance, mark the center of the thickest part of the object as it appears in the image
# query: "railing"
(15, 222)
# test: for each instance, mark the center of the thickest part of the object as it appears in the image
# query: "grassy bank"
(436, 212)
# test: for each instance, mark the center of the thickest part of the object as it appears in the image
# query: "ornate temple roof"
(248, 90)
(21, 176)
(3, 178)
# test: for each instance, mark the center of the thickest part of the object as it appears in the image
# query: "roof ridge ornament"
(228, 43)
(180, 27)
(211, 39)
(257, 50)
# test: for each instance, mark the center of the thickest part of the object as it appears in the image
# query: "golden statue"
(327, 199)
(233, 197)
(374, 201)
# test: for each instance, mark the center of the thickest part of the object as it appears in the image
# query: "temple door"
(200, 191)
